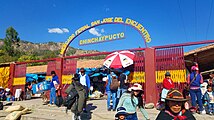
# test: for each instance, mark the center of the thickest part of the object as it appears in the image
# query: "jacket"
(125, 101)
(54, 78)
(168, 83)
(206, 96)
(196, 83)
(163, 115)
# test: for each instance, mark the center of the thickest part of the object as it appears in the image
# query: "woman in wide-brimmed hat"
(131, 100)
(174, 107)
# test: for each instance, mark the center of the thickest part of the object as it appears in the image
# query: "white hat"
(105, 78)
(7, 89)
(1, 87)
(136, 86)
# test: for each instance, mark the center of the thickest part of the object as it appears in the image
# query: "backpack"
(114, 83)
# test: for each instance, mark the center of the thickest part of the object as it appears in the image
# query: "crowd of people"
(127, 99)
(5, 94)
(197, 96)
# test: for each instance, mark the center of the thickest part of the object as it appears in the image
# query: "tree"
(50, 54)
(27, 58)
(10, 41)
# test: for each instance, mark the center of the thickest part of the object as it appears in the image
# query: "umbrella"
(119, 59)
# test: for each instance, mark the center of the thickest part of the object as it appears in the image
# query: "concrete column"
(150, 83)
(12, 74)
(59, 68)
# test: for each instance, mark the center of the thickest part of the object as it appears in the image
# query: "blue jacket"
(196, 82)
(54, 78)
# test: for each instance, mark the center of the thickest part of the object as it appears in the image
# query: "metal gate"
(64, 71)
(51, 67)
(172, 60)
(138, 71)
(69, 69)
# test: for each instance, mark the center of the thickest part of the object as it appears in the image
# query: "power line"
(209, 19)
(182, 19)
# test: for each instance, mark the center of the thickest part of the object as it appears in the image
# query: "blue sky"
(167, 21)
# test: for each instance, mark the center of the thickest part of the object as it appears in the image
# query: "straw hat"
(175, 95)
(136, 86)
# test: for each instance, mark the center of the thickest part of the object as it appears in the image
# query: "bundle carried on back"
(76, 96)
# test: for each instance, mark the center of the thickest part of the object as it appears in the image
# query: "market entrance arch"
(111, 20)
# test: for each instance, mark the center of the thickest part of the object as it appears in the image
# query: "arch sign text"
(112, 20)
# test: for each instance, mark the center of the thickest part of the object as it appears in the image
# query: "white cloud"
(95, 32)
(58, 30)
(65, 30)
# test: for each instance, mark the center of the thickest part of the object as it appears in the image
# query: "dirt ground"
(97, 110)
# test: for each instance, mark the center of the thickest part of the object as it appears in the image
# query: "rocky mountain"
(26, 46)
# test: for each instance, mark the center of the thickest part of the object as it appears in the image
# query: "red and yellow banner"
(4, 76)
(19, 81)
(136, 77)
(67, 79)
(178, 76)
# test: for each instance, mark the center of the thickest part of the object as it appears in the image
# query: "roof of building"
(204, 56)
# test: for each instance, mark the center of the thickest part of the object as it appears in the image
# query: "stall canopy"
(34, 77)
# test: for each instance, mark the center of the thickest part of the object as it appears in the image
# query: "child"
(8, 94)
(121, 113)
(209, 100)
(167, 85)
